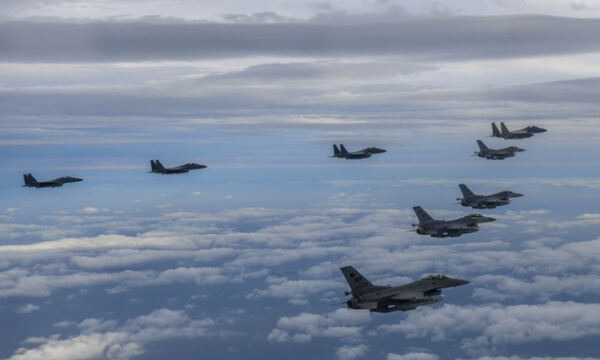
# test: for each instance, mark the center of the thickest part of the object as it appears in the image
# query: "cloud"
(27, 308)
(492, 325)
(114, 340)
(351, 352)
(413, 356)
(439, 38)
(89, 210)
(342, 324)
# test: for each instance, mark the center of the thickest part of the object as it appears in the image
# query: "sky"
(241, 259)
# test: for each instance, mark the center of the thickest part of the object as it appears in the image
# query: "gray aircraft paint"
(343, 153)
(30, 181)
(406, 297)
(448, 228)
(496, 154)
(157, 167)
(476, 201)
(526, 132)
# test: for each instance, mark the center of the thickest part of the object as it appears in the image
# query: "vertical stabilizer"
(344, 151)
(495, 131)
(159, 166)
(482, 146)
(505, 131)
(465, 191)
(422, 215)
(357, 282)
(336, 151)
(30, 180)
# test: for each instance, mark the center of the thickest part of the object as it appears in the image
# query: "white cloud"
(492, 325)
(27, 308)
(413, 356)
(348, 352)
(89, 210)
(114, 341)
(342, 324)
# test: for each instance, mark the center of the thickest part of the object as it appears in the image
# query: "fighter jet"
(157, 167)
(448, 228)
(496, 154)
(517, 134)
(30, 181)
(384, 299)
(360, 154)
(485, 201)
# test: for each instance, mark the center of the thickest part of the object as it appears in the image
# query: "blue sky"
(242, 259)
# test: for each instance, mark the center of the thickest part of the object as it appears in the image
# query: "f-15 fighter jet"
(360, 154)
(517, 134)
(448, 228)
(496, 154)
(30, 181)
(157, 167)
(485, 201)
(384, 299)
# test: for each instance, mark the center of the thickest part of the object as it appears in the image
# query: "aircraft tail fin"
(344, 151)
(356, 281)
(505, 130)
(29, 180)
(465, 190)
(336, 151)
(495, 131)
(159, 166)
(482, 146)
(422, 215)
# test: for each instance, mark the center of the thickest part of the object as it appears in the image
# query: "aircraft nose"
(514, 194)
(460, 282)
(77, 179)
(489, 219)
(519, 149)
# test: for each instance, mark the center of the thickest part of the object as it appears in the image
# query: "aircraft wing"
(491, 201)
(460, 226)
(415, 286)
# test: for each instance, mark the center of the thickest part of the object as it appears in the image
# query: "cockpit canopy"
(435, 277)
(476, 215)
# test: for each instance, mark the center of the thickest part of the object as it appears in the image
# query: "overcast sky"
(241, 260)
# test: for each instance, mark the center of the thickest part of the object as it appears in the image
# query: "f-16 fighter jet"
(448, 228)
(517, 134)
(384, 299)
(496, 154)
(30, 181)
(360, 154)
(485, 201)
(157, 167)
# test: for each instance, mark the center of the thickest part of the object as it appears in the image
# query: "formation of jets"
(384, 299)
(500, 154)
(155, 165)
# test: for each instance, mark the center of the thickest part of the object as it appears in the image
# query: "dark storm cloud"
(431, 38)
